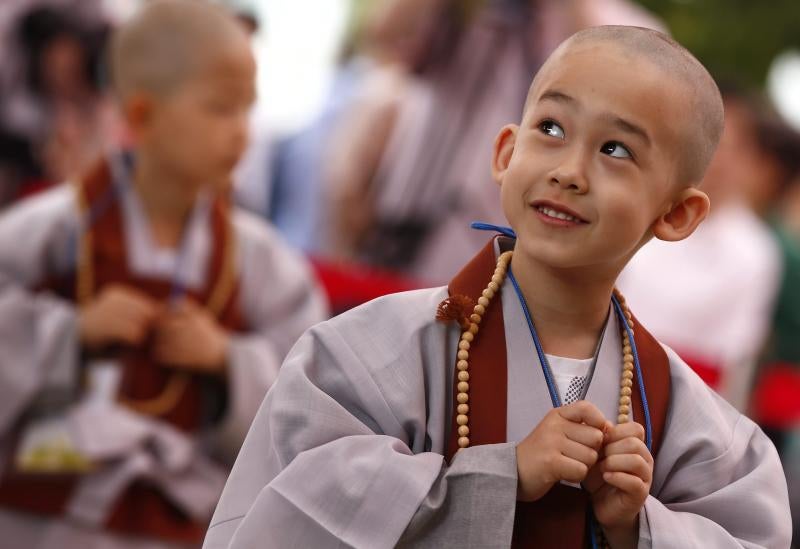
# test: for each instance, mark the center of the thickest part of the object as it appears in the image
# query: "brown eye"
(615, 149)
(551, 128)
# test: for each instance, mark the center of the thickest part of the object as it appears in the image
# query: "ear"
(503, 150)
(137, 110)
(683, 217)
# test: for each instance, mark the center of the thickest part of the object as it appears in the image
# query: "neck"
(167, 201)
(568, 307)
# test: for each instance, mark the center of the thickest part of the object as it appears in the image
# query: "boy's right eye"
(551, 128)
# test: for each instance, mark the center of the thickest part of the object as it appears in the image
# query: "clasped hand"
(576, 443)
(184, 336)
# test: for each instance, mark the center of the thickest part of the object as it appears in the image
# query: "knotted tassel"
(456, 308)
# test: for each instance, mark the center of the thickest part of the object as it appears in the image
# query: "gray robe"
(346, 450)
(39, 350)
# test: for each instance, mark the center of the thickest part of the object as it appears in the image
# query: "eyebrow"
(631, 128)
(622, 124)
(557, 96)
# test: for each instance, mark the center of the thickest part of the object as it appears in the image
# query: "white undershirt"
(565, 370)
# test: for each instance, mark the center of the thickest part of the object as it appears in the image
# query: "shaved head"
(167, 42)
(703, 103)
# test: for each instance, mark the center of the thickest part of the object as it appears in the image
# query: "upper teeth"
(550, 212)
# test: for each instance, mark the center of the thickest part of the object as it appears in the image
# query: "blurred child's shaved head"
(168, 41)
(702, 127)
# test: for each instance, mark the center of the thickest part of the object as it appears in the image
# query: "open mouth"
(557, 213)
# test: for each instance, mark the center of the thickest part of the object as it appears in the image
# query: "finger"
(632, 464)
(130, 332)
(630, 484)
(579, 452)
(571, 470)
(628, 445)
(625, 430)
(583, 411)
(584, 434)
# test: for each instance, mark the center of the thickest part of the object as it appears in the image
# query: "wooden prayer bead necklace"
(468, 336)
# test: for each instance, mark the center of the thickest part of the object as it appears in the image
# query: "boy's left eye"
(615, 149)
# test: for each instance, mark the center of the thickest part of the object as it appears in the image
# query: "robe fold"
(348, 449)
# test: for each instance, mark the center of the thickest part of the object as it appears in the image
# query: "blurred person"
(720, 286)
(407, 154)
(59, 103)
(143, 318)
(776, 399)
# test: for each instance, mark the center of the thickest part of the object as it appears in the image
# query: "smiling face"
(596, 159)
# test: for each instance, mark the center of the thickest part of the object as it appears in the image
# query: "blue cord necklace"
(629, 342)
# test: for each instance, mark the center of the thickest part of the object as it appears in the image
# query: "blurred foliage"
(735, 39)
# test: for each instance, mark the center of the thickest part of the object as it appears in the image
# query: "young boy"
(367, 440)
(141, 312)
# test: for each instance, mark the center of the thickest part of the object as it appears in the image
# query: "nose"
(570, 172)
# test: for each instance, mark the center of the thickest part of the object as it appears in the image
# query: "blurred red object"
(776, 399)
(709, 371)
(349, 284)
(33, 187)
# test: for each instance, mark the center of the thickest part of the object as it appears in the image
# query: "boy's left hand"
(188, 336)
(620, 482)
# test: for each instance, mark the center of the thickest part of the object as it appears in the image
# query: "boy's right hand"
(564, 446)
(118, 314)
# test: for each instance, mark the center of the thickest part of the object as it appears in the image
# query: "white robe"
(346, 450)
(39, 349)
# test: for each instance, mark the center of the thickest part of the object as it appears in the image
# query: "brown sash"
(142, 510)
(558, 520)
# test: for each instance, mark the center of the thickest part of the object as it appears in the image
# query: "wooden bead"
(463, 387)
(462, 365)
(463, 431)
(626, 350)
(462, 408)
(463, 355)
(488, 293)
(627, 374)
(626, 391)
(468, 336)
(627, 383)
(462, 398)
(622, 418)
(473, 328)
(483, 301)
(462, 419)
(495, 286)
(463, 345)
(497, 279)
(625, 400)
(627, 357)
(479, 309)
(463, 442)
(463, 376)
(624, 409)
(476, 319)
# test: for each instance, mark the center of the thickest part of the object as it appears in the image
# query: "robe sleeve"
(280, 299)
(342, 453)
(38, 331)
(718, 481)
